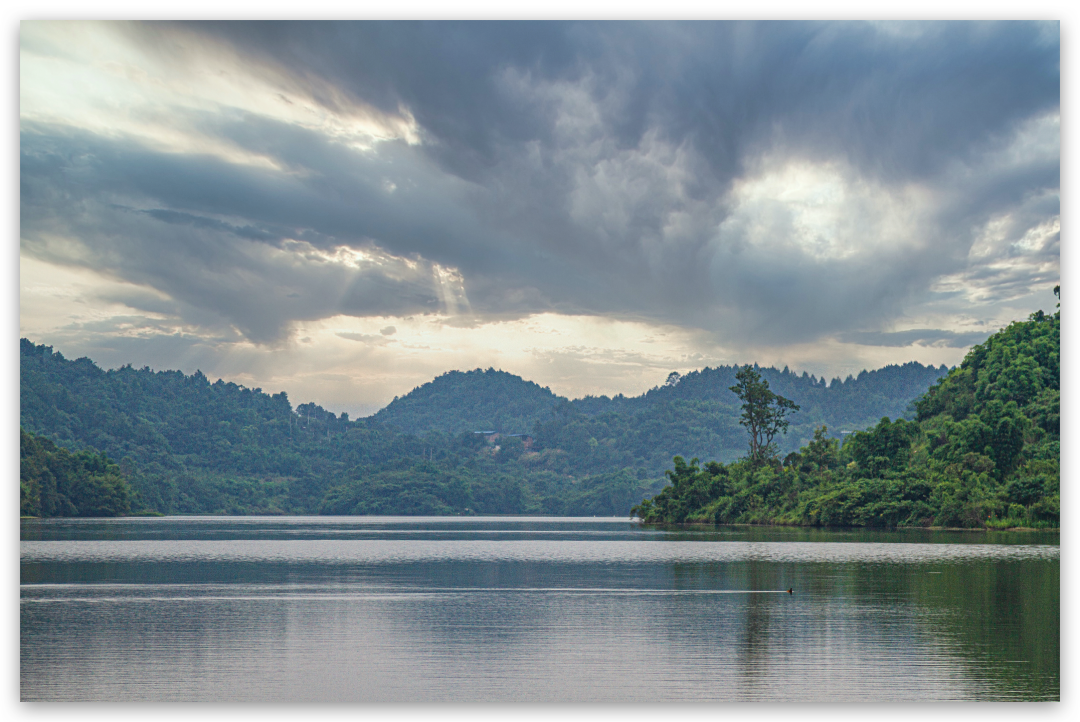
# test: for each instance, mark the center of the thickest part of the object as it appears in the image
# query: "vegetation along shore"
(981, 448)
(982, 452)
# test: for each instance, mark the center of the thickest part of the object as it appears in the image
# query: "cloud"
(920, 336)
(258, 275)
(766, 183)
(364, 338)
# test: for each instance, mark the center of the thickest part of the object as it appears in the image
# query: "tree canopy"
(764, 414)
(187, 444)
(56, 482)
(983, 451)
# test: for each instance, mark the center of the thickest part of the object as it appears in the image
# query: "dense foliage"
(690, 415)
(56, 482)
(460, 401)
(190, 446)
(186, 445)
(983, 450)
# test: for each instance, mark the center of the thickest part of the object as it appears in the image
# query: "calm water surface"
(354, 609)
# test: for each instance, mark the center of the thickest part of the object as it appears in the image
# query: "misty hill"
(466, 401)
(867, 397)
(192, 446)
(694, 414)
(189, 445)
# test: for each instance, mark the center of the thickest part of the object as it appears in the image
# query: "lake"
(422, 609)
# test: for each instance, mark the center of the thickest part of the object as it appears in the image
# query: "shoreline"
(702, 526)
(684, 525)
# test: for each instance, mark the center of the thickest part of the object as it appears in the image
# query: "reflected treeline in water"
(1003, 618)
(531, 610)
(1000, 617)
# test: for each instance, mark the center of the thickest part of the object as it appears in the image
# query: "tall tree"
(763, 412)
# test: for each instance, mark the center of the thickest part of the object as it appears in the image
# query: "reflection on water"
(435, 609)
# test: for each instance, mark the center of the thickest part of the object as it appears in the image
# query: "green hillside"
(690, 415)
(984, 450)
(187, 445)
(465, 401)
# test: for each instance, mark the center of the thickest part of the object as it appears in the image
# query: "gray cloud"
(899, 103)
(921, 336)
(580, 168)
(364, 338)
(258, 276)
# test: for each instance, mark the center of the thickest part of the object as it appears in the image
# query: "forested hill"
(983, 451)
(694, 415)
(855, 401)
(499, 401)
(465, 401)
(189, 445)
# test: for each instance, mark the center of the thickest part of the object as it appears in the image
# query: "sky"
(346, 210)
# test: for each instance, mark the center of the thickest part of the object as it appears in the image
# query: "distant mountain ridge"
(189, 445)
(887, 391)
(478, 400)
(184, 445)
(493, 400)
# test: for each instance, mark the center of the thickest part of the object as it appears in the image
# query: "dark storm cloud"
(898, 101)
(576, 167)
(200, 222)
(253, 276)
(446, 73)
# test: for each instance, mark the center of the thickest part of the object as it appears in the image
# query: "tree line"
(186, 445)
(982, 451)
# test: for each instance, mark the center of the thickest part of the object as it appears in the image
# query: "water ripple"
(332, 551)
